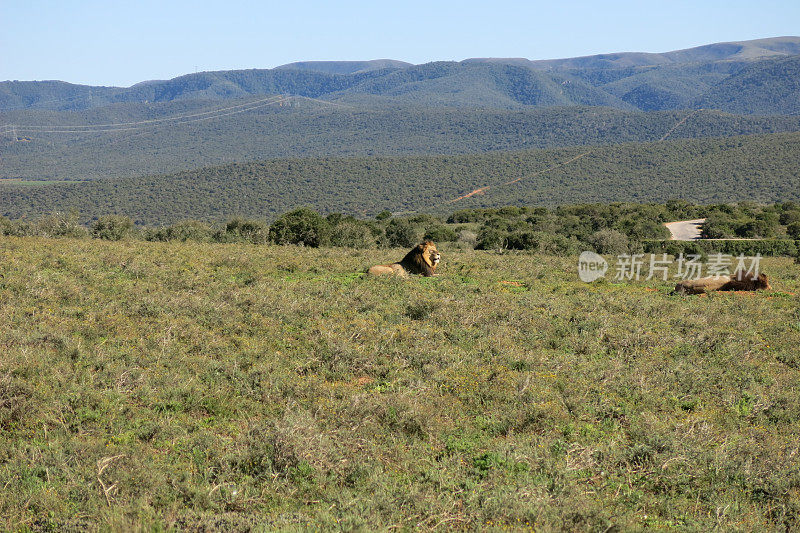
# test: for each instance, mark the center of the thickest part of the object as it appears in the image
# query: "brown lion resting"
(422, 259)
(740, 281)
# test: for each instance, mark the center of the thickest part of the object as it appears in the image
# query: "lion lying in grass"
(422, 259)
(739, 281)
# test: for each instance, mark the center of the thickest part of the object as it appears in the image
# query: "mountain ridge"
(626, 80)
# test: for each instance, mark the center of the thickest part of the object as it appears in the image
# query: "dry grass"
(208, 386)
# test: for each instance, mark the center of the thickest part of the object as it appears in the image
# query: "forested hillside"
(777, 83)
(761, 168)
(303, 128)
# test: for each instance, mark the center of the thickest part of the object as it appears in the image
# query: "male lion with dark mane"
(740, 281)
(422, 259)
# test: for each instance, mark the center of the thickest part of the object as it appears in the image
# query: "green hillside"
(761, 168)
(664, 86)
(766, 87)
(313, 129)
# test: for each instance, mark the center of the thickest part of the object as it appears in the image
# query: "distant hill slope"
(762, 168)
(478, 85)
(310, 128)
(765, 87)
(345, 67)
(737, 50)
(642, 81)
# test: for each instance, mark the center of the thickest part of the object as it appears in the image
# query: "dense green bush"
(14, 228)
(790, 216)
(240, 229)
(608, 228)
(60, 225)
(757, 229)
(402, 233)
(545, 243)
(609, 241)
(302, 226)
(352, 233)
(491, 239)
(440, 233)
(188, 230)
(112, 227)
(465, 216)
(766, 247)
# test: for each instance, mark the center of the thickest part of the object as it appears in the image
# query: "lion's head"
(422, 259)
(744, 281)
(430, 254)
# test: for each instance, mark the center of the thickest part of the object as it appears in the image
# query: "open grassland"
(192, 386)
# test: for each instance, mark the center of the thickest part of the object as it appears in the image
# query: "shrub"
(14, 228)
(112, 227)
(187, 230)
(352, 234)
(766, 247)
(60, 225)
(470, 238)
(545, 243)
(756, 229)
(788, 218)
(466, 215)
(441, 233)
(559, 245)
(302, 226)
(491, 239)
(523, 240)
(402, 233)
(681, 209)
(240, 229)
(609, 241)
(648, 229)
(718, 226)
(793, 230)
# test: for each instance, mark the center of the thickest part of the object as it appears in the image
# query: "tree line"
(614, 228)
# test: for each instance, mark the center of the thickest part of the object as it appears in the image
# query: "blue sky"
(123, 42)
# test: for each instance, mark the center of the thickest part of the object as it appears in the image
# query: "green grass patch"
(208, 386)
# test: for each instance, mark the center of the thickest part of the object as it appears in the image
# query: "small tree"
(112, 227)
(188, 230)
(609, 241)
(440, 233)
(302, 226)
(240, 229)
(14, 228)
(352, 234)
(401, 233)
(60, 225)
(491, 239)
